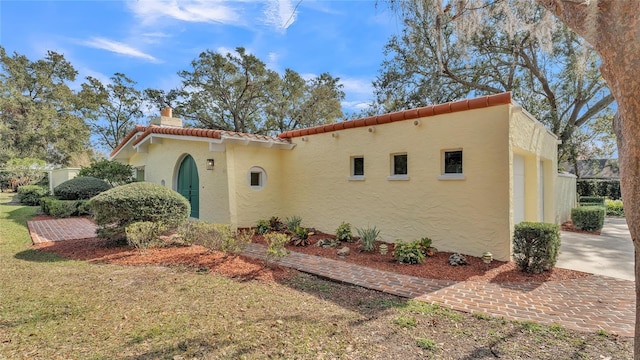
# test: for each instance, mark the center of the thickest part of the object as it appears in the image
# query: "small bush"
(275, 224)
(368, 237)
(588, 218)
(121, 206)
(31, 194)
(143, 233)
(218, 237)
(262, 227)
(293, 223)
(536, 246)
(300, 237)
(408, 253)
(45, 203)
(84, 208)
(275, 246)
(614, 207)
(592, 200)
(63, 208)
(211, 236)
(343, 232)
(80, 188)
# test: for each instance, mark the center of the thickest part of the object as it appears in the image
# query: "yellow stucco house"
(462, 173)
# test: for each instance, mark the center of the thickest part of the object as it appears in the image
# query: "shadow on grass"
(38, 256)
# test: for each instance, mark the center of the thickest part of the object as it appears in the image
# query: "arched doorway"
(188, 184)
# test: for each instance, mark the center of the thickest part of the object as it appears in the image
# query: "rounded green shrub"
(536, 246)
(80, 188)
(31, 194)
(116, 208)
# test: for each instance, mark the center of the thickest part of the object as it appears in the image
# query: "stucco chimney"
(168, 112)
(166, 119)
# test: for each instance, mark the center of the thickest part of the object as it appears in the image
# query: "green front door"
(188, 184)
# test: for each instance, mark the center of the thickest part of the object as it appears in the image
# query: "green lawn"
(53, 308)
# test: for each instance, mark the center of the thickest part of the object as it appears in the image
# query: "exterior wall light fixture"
(210, 164)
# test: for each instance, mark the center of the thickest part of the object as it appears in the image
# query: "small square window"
(357, 166)
(256, 179)
(399, 164)
(453, 162)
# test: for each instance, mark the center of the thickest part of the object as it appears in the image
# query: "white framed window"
(399, 167)
(452, 165)
(138, 173)
(257, 178)
(357, 168)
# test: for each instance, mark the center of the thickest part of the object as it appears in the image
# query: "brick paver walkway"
(587, 304)
(61, 229)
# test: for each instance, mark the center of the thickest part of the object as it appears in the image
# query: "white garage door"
(518, 188)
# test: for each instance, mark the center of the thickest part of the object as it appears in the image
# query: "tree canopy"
(111, 110)
(38, 110)
(237, 92)
(556, 78)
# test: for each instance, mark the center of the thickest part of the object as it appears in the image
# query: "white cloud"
(150, 11)
(118, 48)
(357, 86)
(280, 14)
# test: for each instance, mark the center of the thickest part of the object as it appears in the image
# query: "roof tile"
(450, 107)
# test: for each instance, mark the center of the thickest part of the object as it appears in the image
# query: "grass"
(57, 308)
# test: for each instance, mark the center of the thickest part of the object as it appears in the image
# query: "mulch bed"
(568, 226)
(243, 268)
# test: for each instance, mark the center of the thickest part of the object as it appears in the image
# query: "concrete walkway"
(609, 254)
(588, 304)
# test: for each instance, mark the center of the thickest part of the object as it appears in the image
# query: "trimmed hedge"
(64, 208)
(536, 246)
(599, 200)
(121, 206)
(31, 194)
(588, 218)
(599, 187)
(80, 188)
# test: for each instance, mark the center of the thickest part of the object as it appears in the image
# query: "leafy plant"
(293, 223)
(31, 194)
(262, 227)
(408, 253)
(368, 237)
(614, 207)
(275, 246)
(588, 218)
(121, 206)
(536, 246)
(143, 233)
(275, 224)
(343, 232)
(301, 237)
(80, 188)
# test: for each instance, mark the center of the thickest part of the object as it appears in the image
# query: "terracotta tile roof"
(450, 107)
(145, 131)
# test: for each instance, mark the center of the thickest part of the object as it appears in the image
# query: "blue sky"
(151, 40)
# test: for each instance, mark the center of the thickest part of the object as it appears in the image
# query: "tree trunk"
(613, 28)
